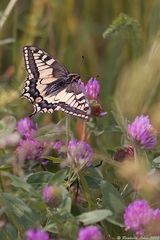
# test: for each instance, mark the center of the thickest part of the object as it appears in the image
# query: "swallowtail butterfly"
(50, 87)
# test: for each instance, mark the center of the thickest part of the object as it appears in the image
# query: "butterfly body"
(50, 87)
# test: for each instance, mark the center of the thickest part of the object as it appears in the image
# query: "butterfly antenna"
(81, 64)
(88, 76)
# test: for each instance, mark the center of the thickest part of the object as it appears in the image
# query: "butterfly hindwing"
(50, 87)
(73, 101)
(70, 100)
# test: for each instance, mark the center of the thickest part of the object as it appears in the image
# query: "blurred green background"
(90, 37)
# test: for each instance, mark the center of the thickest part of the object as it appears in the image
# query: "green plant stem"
(67, 129)
(6, 12)
(124, 189)
(1, 183)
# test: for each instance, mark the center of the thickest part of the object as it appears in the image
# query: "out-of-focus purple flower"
(58, 144)
(79, 153)
(92, 88)
(26, 127)
(30, 149)
(36, 234)
(52, 195)
(48, 193)
(81, 84)
(124, 153)
(137, 215)
(156, 214)
(143, 132)
(90, 233)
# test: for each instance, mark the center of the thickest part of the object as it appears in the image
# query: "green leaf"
(157, 160)
(18, 182)
(51, 227)
(58, 177)
(70, 229)
(54, 159)
(19, 214)
(93, 177)
(37, 180)
(94, 216)
(67, 203)
(111, 198)
(85, 189)
(93, 182)
(115, 222)
(8, 232)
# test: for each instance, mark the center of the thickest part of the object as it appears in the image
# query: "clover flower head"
(124, 153)
(90, 233)
(81, 152)
(30, 149)
(37, 234)
(57, 145)
(26, 127)
(92, 88)
(156, 214)
(137, 215)
(143, 132)
(81, 85)
(52, 195)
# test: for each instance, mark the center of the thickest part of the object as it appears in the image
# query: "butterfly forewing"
(50, 86)
(41, 65)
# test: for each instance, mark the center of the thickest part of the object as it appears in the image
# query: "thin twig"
(84, 137)
(6, 12)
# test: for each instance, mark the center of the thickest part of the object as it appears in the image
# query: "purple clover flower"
(36, 234)
(90, 233)
(30, 149)
(26, 127)
(48, 193)
(52, 195)
(153, 228)
(80, 153)
(142, 131)
(92, 88)
(81, 84)
(137, 215)
(156, 214)
(126, 152)
(58, 144)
